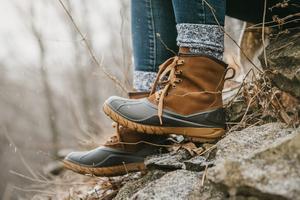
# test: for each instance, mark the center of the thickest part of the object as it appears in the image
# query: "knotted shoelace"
(166, 83)
(117, 140)
(173, 79)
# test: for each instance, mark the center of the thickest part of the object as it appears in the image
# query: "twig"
(76, 116)
(165, 45)
(248, 106)
(126, 62)
(34, 190)
(90, 50)
(140, 142)
(207, 150)
(243, 82)
(271, 26)
(125, 167)
(245, 114)
(282, 19)
(221, 27)
(282, 47)
(263, 33)
(27, 166)
(42, 181)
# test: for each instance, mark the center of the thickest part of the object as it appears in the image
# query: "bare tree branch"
(90, 50)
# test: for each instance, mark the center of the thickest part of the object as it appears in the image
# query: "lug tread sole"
(193, 134)
(105, 171)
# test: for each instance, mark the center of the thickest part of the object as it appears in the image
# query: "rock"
(208, 192)
(241, 144)
(236, 110)
(176, 185)
(197, 163)
(173, 160)
(180, 184)
(263, 162)
(283, 56)
(257, 163)
(134, 186)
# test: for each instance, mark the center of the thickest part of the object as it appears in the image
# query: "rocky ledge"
(257, 163)
(260, 162)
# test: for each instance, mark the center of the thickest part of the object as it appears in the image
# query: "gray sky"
(19, 50)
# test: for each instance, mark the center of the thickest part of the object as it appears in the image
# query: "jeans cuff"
(201, 38)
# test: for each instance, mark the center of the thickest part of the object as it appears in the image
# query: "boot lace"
(171, 81)
(118, 140)
(115, 139)
(169, 75)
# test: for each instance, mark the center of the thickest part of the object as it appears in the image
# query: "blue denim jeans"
(154, 27)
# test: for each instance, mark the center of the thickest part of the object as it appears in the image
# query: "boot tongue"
(138, 95)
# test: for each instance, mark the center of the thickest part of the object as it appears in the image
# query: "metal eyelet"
(178, 72)
(180, 62)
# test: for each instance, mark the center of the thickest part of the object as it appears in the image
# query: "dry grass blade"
(279, 21)
(45, 182)
(263, 33)
(208, 150)
(204, 175)
(45, 192)
(261, 103)
(27, 166)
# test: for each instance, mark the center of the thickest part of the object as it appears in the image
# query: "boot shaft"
(198, 85)
(199, 73)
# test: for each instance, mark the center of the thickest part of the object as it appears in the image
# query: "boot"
(189, 101)
(122, 153)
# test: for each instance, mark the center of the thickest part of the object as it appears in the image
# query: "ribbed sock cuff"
(201, 39)
(142, 81)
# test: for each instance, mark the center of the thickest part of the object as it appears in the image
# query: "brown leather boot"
(122, 153)
(189, 103)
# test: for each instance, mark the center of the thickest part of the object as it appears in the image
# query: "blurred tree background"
(51, 90)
